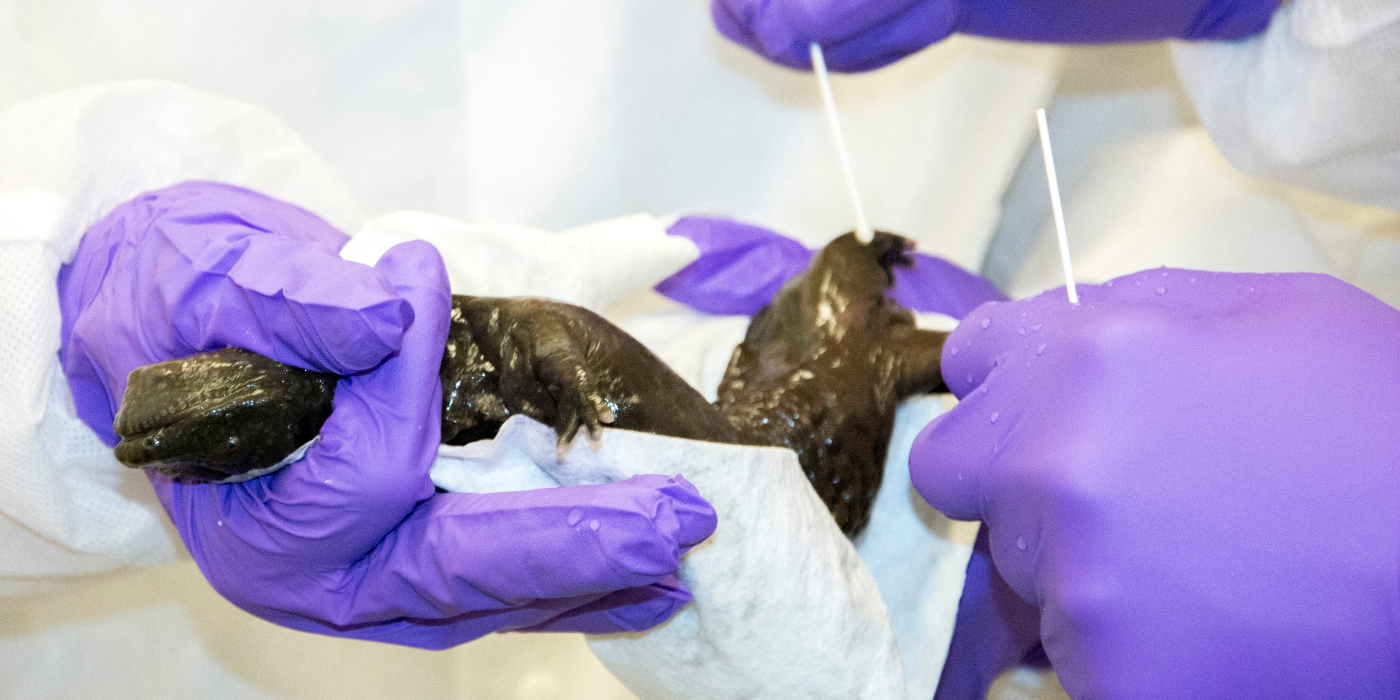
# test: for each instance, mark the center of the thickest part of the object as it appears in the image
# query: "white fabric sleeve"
(67, 508)
(593, 266)
(1314, 101)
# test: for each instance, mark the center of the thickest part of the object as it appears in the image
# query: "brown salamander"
(821, 370)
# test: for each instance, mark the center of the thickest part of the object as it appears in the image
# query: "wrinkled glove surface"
(352, 540)
(1193, 475)
(861, 35)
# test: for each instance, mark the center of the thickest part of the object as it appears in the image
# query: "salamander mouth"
(158, 449)
(892, 250)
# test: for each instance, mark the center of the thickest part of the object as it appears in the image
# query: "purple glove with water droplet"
(1192, 475)
(741, 267)
(860, 35)
(352, 541)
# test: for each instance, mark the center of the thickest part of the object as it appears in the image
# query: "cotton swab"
(1055, 204)
(863, 231)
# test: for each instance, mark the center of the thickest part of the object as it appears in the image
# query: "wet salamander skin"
(227, 416)
(820, 371)
(219, 416)
(564, 366)
(823, 368)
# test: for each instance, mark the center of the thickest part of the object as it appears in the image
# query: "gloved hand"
(860, 35)
(352, 541)
(1193, 475)
(741, 267)
(994, 630)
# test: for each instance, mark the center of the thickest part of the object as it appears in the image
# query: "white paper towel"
(783, 605)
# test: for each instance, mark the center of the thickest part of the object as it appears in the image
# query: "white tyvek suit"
(555, 114)
(1314, 101)
(66, 508)
(1311, 103)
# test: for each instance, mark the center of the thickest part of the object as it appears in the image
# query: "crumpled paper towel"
(917, 555)
(783, 605)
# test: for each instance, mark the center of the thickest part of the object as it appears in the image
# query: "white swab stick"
(1055, 204)
(863, 231)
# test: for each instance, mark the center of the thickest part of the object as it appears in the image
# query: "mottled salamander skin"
(821, 371)
(565, 366)
(230, 415)
(823, 368)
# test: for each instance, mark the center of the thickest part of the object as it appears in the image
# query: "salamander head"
(222, 416)
(842, 291)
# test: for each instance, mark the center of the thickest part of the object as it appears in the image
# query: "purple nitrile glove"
(934, 285)
(994, 630)
(1193, 475)
(351, 540)
(741, 267)
(860, 35)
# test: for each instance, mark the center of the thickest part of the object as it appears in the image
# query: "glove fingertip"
(414, 264)
(728, 25)
(379, 331)
(790, 52)
(695, 517)
(1232, 21)
(670, 597)
(941, 471)
(740, 268)
(416, 273)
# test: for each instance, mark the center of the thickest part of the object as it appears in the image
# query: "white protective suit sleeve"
(1314, 101)
(592, 266)
(67, 508)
